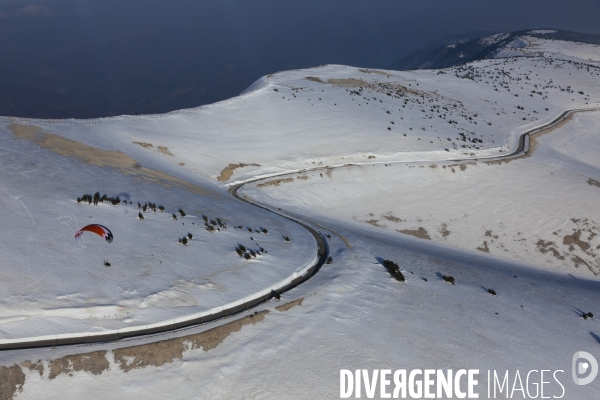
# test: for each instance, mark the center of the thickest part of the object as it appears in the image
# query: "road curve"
(523, 146)
(103, 337)
(322, 253)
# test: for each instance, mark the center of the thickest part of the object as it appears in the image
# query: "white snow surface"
(353, 314)
(53, 284)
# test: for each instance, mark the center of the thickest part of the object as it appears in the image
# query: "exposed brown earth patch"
(593, 182)
(348, 82)
(314, 79)
(275, 182)
(287, 306)
(39, 367)
(575, 240)
(228, 170)
(94, 363)
(580, 261)
(375, 222)
(12, 380)
(165, 150)
(303, 177)
(444, 230)
(577, 248)
(545, 247)
(391, 217)
(101, 158)
(484, 247)
(167, 351)
(421, 233)
(144, 144)
(490, 234)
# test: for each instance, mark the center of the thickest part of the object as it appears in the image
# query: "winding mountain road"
(523, 149)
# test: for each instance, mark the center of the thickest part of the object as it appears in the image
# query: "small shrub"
(492, 292)
(249, 229)
(449, 279)
(394, 270)
(184, 241)
(588, 315)
(140, 215)
(161, 208)
(106, 264)
(210, 228)
(174, 216)
(190, 236)
(247, 256)
(205, 218)
(139, 205)
(275, 294)
(181, 212)
(287, 239)
(265, 231)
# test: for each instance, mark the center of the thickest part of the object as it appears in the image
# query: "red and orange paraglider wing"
(99, 230)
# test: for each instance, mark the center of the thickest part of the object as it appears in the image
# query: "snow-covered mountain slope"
(541, 209)
(53, 284)
(478, 47)
(404, 132)
(334, 115)
(351, 315)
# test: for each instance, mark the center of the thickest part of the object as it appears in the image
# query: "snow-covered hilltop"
(383, 163)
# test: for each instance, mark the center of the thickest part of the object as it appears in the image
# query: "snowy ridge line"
(101, 120)
(211, 315)
(256, 86)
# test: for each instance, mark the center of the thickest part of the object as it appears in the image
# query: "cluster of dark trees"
(247, 253)
(97, 198)
(394, 270)
(184, 240)
(151, 206)
(211, 224)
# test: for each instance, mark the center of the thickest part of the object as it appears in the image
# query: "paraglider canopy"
(99, 230)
